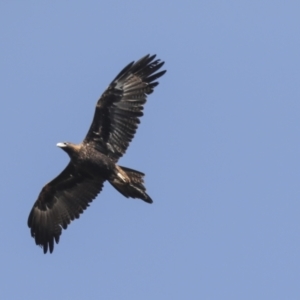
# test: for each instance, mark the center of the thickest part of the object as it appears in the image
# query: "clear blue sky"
(219, 143)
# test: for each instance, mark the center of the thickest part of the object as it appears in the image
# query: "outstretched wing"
(61, 201)
(119, 108)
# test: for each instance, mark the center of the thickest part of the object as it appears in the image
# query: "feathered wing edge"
(60, 202)
(142, 67)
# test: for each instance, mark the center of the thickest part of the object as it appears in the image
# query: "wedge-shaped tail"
(130, 183)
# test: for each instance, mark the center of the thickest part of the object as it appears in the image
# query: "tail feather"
(130, 183)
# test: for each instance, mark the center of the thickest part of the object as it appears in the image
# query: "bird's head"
(70, 148)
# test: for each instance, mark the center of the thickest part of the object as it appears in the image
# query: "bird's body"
(88, 159)
(95, 160)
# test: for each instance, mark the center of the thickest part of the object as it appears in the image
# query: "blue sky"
(219, 143)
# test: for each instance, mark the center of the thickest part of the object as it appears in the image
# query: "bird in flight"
(94, 161)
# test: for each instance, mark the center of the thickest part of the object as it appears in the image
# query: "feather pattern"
(60, 202)
(118, 110)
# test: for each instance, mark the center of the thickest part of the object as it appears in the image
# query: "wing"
(119, 108)
(61, 201)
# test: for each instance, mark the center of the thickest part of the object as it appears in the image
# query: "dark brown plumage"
(94, 160)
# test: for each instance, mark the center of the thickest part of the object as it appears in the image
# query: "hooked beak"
(61, 145)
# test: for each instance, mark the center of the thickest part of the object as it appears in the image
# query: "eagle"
(94, 161)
